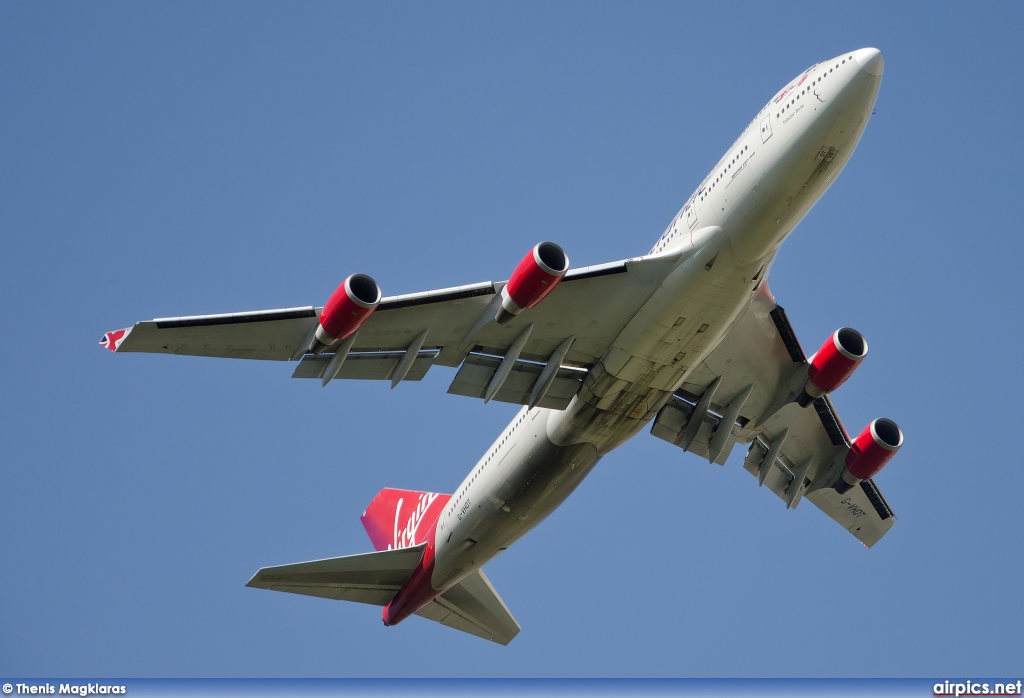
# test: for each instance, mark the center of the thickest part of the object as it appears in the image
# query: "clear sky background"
(162, 159)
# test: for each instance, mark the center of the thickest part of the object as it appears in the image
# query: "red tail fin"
(401, 518)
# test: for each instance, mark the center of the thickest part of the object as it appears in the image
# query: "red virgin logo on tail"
(406, 537)
(402, 518)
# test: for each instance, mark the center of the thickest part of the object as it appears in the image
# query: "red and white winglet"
(112, 340)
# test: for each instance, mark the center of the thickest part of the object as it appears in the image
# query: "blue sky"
(166, 159)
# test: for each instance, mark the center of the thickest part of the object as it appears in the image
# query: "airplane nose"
(870, 61)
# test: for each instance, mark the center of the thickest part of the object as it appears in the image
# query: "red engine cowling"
(346, 309)
(837, 359)
(536, 276)
(869, 452)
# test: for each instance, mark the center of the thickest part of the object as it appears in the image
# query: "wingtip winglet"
(112, 340)
(254, 583)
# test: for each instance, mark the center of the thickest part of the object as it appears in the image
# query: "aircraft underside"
(687, 340)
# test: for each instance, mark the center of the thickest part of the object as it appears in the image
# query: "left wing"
(571, 329)
(747, 385)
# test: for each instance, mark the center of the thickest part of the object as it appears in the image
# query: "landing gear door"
(766, 128)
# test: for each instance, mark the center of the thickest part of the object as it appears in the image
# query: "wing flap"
(671, 422)
(372, 578)
(478, 370)
(474, 607)
(367, 366)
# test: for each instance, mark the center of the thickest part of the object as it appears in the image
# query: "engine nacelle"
(869, 452)
(346, 309)
(837, 359)
(536, 276)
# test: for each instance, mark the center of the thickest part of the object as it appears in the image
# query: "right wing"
(408, 334)
(747, 384)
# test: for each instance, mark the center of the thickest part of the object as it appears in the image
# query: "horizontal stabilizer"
(474, 607)
(372, 578)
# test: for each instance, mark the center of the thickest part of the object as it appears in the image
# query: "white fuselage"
(729, 231)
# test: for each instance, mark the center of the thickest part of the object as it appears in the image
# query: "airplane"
(687, 338)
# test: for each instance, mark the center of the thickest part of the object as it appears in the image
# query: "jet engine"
(869, 452)
(346, 309)
(534, 278)
(837, 359)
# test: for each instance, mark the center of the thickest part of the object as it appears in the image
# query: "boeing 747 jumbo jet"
(687, 338)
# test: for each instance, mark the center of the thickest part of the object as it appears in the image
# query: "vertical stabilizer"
(401, 518)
